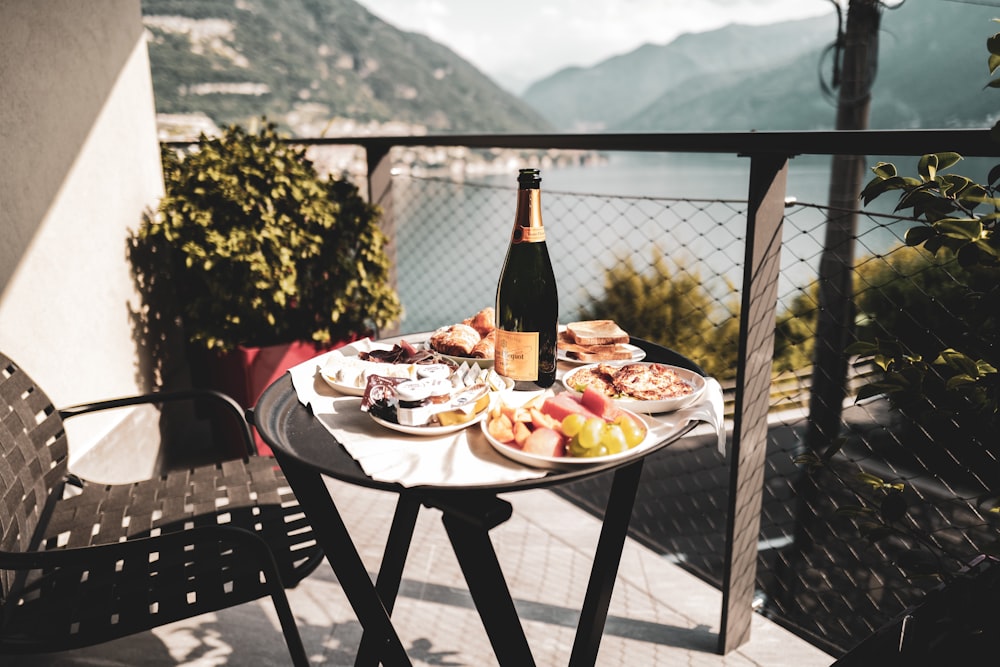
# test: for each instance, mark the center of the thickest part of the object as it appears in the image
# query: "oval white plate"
(352, 350)
(471, 361)
(347, 352)
(433, 430)
(651, 407)
(638, 354)
(564, 462)
(348, 389)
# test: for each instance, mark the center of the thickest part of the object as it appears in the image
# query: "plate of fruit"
(564, 430)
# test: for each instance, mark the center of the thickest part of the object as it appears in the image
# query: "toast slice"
(595, 353)
(592, 353)
(596, 332)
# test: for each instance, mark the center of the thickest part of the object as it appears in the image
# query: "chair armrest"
(224, 400)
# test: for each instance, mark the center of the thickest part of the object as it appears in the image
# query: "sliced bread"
(595, 353)
(592, 353)
(596, 332)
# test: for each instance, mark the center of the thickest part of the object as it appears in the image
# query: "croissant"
(456, 340)
(485, 347)
(483, 322)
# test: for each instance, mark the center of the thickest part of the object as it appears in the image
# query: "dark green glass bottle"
(527, 307)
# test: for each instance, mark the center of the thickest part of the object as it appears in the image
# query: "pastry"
(484, 349)
(456, 340)
(483, 322)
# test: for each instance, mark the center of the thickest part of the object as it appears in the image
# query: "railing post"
(765, 216)
(380, 194)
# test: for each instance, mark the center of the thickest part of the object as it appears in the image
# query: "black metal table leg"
(468, 521)
(343, 557)
(390, 573)
(605, 568)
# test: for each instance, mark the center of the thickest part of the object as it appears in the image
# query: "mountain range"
(315, 60)
(931, 72)
(304, 62)
(612, 93)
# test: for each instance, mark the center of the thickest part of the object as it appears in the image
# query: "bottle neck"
(528, 218)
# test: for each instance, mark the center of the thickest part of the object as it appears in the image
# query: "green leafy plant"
(928, 320)
(958, 382)
(926, 323)
(256, 248)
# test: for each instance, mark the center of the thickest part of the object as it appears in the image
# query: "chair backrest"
(33, 459)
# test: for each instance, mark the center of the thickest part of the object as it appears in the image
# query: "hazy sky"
(520, 41)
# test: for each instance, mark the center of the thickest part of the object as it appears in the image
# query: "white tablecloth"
(462, 458)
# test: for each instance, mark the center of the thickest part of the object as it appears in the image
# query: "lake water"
(452, 237)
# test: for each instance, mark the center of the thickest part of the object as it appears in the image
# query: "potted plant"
(262, 261)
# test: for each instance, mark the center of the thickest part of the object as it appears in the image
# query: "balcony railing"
(752, 522)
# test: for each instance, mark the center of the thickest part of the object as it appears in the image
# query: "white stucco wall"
(79, 164)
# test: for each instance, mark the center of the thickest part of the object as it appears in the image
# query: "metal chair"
(84, 563)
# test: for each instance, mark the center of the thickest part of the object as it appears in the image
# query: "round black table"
(306, 451)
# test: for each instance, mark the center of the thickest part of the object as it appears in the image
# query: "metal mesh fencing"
(617, 256)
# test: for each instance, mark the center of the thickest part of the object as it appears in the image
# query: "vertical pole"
(765, 216)
(835, 320)
(379, 160)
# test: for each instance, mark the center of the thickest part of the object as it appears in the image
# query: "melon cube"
(600, 404)
(545, 442)
(566, 403)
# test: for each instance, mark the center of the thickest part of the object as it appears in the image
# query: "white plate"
(638, 354)
(348, 389)
(569, 462)
(652, 407)
(434, 430)
(349, 353)
(471, 361)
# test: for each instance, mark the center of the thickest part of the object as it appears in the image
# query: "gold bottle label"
(528, 234)
(517, 354)
(528, 226)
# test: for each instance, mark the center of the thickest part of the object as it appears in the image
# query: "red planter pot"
(246, 372)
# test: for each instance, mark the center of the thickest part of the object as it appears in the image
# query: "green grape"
(590, 433)
(575, 448)
(613, 438)
(572, 423)
(633, 431)
(600, 450)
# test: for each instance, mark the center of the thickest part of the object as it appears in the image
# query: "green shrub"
(795, 331)
(258, 249)
(920, 300)
(670, 305)
(936, 340)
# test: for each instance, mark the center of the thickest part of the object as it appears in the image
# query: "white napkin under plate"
(461, 458)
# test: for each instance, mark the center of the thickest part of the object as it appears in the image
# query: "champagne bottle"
(527, 305)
